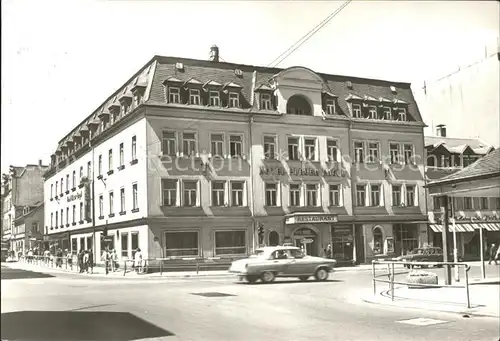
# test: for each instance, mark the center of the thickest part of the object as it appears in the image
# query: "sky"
(62, 59)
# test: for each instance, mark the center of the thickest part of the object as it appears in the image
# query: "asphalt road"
(72, 307)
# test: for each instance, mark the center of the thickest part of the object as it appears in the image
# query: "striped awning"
(467, 227)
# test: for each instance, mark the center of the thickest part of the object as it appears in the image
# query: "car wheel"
(252, 278)
(303, 278)
(321, 274)
(267, 277)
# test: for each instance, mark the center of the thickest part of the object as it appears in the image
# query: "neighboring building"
(446, 156)
(22, 187)
(191, 158)
(28, 229)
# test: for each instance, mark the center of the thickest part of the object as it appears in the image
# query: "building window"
(230, 242)
(235, 145)
(410, 195)
(375, 195)
(181, 244)
(396, 195)
(234, 100)
(81, 173)
(310, 148)
(373, 152)
(99, 165)
(189, 144)
(111, 203)
(298, 105)
(271, 194)
(74, 179)
(62, 218)
(270, 147)
(34, 227)
(483, 203)
(217, 144)
(169, 143)
(331, 150)
(124, 244)
(134, 148)
(214, 98)
(311, 195)
(89, 169)
(237, 193)
(372, 112)
(101, 206)
(294, 195)
(356, 110)
(52, 220)
(169, 189)
(62, 185)
(67, 182)
(293, 148)
(387, 113)
(189, 191)
(174, 95)
(122, 200)
(408, 154)
(74, 214)
(497, 201)
(378, 241)
(81, 211)
(334, 195)
(110, 160)
(194, 97)
(57, 219)
(265, 102)
(394, 153)
(436, 203)
(121, 155)
(359, 151)
(360, 195)
(51, 190)
(57, 186)
(402, 114)
(135, 203)
(467, 203)
(218, 191)
(330, 107)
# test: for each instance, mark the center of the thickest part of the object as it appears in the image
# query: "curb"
(370, 300)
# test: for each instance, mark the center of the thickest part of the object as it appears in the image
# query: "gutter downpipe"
(250, 122)
(94, 243)
(353, 191)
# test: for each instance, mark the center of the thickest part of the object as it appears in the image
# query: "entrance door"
(311, 249)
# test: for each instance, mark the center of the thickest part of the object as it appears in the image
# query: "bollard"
(124, 267)
(374, 281)
(161, 267)
(467, 268)
(392, 282)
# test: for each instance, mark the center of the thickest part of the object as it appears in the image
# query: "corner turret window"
(298, 105)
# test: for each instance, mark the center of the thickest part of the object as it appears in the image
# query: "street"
(72, 307)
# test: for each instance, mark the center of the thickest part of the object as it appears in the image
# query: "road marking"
(421, 321)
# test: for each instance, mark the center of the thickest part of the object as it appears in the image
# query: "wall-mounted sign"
(76, 196)
(340, 173)
(311, 218)
(306, 240)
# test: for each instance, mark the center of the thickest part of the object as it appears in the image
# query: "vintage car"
(270, 262)
(425, 254)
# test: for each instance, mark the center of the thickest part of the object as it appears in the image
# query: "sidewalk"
(100, 272)
(484, 298)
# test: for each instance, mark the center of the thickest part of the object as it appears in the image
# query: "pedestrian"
(497, 255)
(328, 251)
(59, 258)
(492, 252)
(90, 261)
(138, 261)
(30, 256)
(80, 261)
(85, 261)
(113, 260)
(69, 259)
(105, 257)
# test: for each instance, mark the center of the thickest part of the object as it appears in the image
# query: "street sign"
(307, 240)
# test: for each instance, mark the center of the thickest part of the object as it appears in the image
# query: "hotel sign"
(311, 218)
(303, 171)
(73, 197)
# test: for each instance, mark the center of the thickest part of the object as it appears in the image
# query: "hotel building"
(445, 156)
(190, 158)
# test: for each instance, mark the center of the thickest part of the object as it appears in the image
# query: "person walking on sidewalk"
(85, 261)
(138, 261)
(69, 259)
(80, 261)
(90, 262)
(493, 251)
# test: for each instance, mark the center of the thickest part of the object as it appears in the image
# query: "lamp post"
(481, 245)
(455, 251)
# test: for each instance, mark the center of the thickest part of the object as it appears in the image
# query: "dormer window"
(234, 100)
(402, 114)
(214, 97)
(137, 99)
(124, 109)
(372, 112)
(266, 102)
(356, 110)
(194, 97)
(298, 105)
(330, 106)
(174, 95)
(386, 111)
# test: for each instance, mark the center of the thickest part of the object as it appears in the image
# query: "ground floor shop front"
(468, 238)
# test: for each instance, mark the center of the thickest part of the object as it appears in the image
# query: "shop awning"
(467, 227)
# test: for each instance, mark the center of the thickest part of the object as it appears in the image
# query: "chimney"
(214, 53)
(441, 130)
(40, 162)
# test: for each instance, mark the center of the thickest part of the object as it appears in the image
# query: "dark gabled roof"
(458, 145)
(487, 165)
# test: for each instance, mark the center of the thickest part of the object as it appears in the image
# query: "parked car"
(426, 254)
(267, 263)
